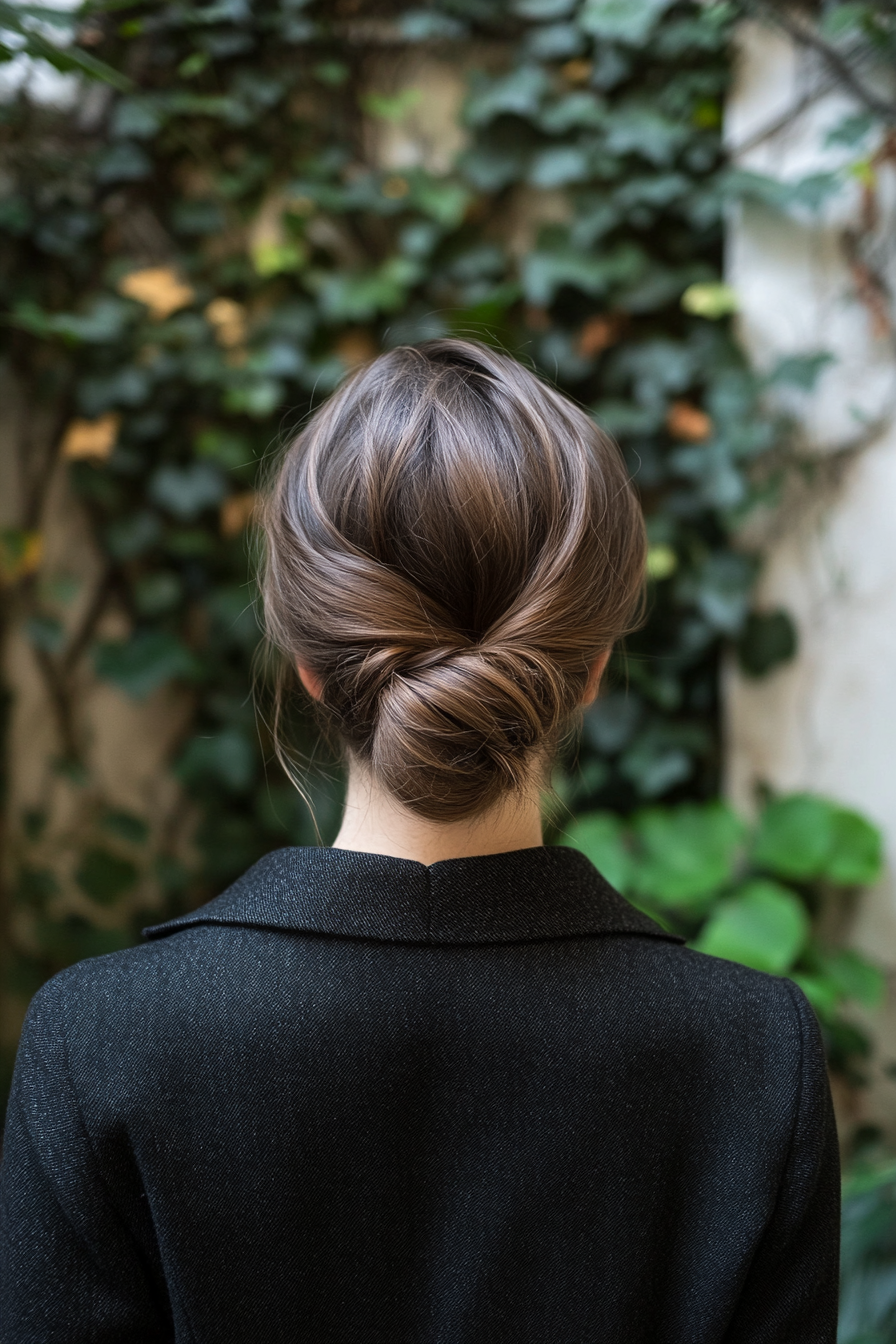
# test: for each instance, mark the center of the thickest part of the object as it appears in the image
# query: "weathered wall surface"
(826, 721)
(126, 744)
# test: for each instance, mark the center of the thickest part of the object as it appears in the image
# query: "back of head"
(450, 543)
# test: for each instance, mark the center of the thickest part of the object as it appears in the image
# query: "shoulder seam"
(798, 1102)
(97, 1165)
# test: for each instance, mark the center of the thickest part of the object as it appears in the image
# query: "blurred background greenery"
(223, 208)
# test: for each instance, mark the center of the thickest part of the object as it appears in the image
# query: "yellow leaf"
(661, 562)
(20, 553)
(686, 421)
(91, 438)
(395, 187)
(598, 333)
(272, 258)
(159, 288)
(236, 513)
(710, 299)
(863, 171)
(229, 321)
(577, 71)
(355, 347)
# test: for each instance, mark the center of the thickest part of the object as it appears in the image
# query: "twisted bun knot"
(474, 711)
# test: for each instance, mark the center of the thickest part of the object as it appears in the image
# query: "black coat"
(357, 1099)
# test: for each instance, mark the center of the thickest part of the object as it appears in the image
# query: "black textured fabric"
(357, 1099)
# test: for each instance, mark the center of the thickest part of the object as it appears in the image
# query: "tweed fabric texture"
(357, 1099)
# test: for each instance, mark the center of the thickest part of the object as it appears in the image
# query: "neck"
(375, 823)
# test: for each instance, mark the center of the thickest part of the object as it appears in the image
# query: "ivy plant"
(198, 251)
(868, 1255)
(759, 895)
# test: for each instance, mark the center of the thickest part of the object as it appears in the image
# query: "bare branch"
(838, 61)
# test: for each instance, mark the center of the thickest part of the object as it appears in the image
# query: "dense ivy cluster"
(195, 254)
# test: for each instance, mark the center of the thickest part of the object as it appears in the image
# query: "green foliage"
(755, 895)
(761, 924)
(30, 30)
(104, 876)
(806, 837)
(194, 259)
(143, 663)
(868, 1256)
(767, 639)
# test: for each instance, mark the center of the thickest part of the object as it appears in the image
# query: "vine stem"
(838, 62)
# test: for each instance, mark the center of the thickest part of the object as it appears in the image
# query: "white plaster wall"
(825, 722)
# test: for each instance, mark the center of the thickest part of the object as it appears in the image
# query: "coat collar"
(523, 895)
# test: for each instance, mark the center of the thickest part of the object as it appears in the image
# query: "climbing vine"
(252, 197)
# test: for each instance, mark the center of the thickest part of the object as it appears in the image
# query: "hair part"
(450, 543)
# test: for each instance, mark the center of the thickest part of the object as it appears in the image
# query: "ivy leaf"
(391, 108)
(822, 993)
(123, 161)
(228, 757)
(806, 194)
(576, 109)
(143, 663)
(443, 200)
(133, 534)
(102, 323)
(186, 491)
(558, 166)
(762, 925)
(550, 267)
(424, 25)
(357, 296)
(543, 10)
(767, 640)
(610, 722)
(126, 826)
(628, 21)
(855, 977)
(804, 837)
(800, 371)
(486, 320)
(710, 299)
(720, 588)
(554, 42)
(851, 130)
(841, 19)
(685, 853)
(129, 386)
(257, 397)
(157, 593)
(794, 836)
(518, 93)
(601, 837)
(104, 876)
(644, 131)
(660, 758)
(856, 854)
(136, 118)
(496, 160)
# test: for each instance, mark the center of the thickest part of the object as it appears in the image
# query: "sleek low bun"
(457, 728)
(450, 545)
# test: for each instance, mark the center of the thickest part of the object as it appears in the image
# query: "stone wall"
(826, 721)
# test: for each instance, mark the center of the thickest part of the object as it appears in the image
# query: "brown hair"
(450, 543)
